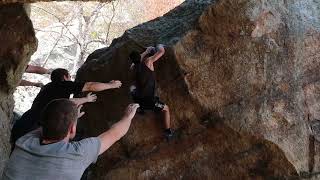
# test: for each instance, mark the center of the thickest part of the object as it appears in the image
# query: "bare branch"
(65, 26)
(47, 31)
(84, 24)
(64, 46)
(91, 21)
(112, 17)
(47, 12)
(94, 41)
(55, 44)
(60, 21)
(95, 13)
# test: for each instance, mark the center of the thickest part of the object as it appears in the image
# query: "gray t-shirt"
(61, 160)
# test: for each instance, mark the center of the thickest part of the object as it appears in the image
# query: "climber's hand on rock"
(131, 110)
(115, 83)
(91, 97)
(159, 46)
(150, 49)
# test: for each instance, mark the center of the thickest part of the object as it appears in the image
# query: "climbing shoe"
(168, 133)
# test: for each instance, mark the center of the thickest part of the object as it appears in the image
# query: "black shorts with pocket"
(149, 103)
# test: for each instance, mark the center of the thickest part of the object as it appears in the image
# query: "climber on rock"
(47, 153)
(60, 87)
(144, 90)
(35, 70)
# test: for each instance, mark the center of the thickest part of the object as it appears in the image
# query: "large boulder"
(249, 65)
(4, 2)
(18, 43)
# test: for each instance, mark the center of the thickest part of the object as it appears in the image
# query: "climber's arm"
(160, 52)
(147, 51)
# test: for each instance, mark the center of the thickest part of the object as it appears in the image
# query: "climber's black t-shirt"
(145, 81)
(54, 90)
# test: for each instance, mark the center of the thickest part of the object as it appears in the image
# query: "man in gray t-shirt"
(47, 153)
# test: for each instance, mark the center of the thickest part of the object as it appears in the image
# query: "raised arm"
(97, 86)
(119, 129)
(147, 51)
(160, 52)
(37, 70)
(89, 98)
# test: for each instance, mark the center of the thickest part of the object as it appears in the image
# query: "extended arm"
(29, 83)
(160, 52)
(89, 98)
(97, 86)
(118, 130)
(147, 51)
(37, 70)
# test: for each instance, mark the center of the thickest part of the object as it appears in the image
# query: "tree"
(90, 25)
(78, 26)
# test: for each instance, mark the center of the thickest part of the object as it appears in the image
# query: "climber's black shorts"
(151, 103)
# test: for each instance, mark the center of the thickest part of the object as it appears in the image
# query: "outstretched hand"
(91, 97)
(115, 83)
(80, 114)
(131, 110)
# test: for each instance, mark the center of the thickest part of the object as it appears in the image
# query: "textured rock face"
(18, 43)
(237, 74)
(251, 65)
(217, 152)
